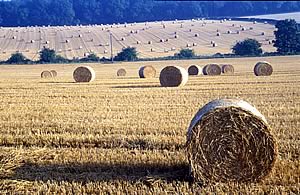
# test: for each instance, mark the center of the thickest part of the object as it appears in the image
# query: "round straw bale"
(173, 76)
(46, 74)
(212, 69)
(263, 69)
(54, 73)
(84, 74)
(149, 42)
(218, 34)
(147, 72)
(229, 140)
(194, 70)
(227, 68)
(196, 35)
(121, 72)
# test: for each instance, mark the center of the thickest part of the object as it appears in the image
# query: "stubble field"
(151, 39)
(127, 135)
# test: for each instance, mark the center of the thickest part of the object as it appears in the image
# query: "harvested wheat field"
(151, 39)
(127, 135)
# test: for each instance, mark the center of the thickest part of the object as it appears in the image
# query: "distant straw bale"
(229, 140)
(195, 70)
(212, 69)
(173, 76)
(263, 69)
(54, 73)
(46, 74)
(121, 72)
(227, 68)
(147, 72)
(84, 74)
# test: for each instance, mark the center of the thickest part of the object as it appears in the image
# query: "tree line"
(72, 12)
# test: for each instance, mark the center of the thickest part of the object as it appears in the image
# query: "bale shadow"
(57, 82)
(136, 86)
(105, 172)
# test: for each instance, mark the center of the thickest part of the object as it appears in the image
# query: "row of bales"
(170, 76)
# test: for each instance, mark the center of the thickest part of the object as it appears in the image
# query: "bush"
(17, 58)
(127, 54)
(248, 47)
(185, 53)
(90, 58)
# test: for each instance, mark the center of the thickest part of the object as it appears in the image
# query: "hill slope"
(77, 41)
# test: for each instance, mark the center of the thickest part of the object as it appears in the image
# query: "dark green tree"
(17, 58)
(127, 54)
(247, 47)
(185, 53)
(287, 37)
(47, 55)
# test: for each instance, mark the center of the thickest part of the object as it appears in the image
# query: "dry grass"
(128, 134)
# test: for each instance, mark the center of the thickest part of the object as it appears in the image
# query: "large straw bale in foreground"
(212, 69)
(227, 69)
(46, 74)
(84, 74)
(147, 72)
(229, 140)
(173, 76)
(121, 72)
(263, 69)
(194, 70)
